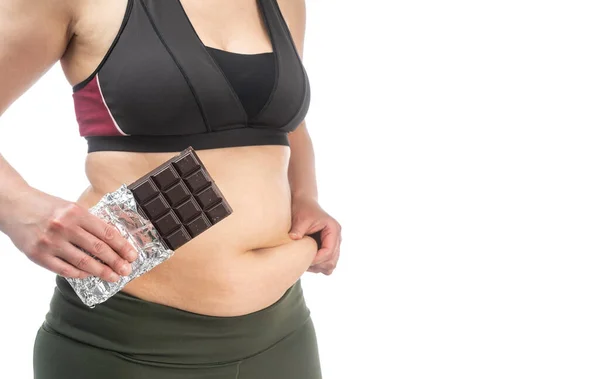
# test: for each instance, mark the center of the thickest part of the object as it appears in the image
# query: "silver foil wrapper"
(119, 208)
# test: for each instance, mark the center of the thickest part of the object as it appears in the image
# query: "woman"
(151, 77)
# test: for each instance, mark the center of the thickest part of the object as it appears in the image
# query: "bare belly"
(240, 265)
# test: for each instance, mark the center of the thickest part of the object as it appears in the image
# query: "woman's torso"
(246, 261)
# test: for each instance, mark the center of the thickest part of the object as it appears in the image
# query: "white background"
(458, 143)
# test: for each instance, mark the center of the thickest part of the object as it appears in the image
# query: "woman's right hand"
(46, 228)
(49, 231)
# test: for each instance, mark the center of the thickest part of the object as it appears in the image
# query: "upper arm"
(34, 35)
(294, 13)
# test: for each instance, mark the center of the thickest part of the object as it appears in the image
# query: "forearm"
(301, 171)
(12, 186)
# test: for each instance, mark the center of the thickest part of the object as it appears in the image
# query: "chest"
(160, 76)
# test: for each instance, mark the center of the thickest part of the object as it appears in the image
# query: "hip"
(130, 337)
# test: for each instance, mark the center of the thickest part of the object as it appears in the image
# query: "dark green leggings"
(129, 338)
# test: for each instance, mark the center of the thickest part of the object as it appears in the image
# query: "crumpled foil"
(119, 208)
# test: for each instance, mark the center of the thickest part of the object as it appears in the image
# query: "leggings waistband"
(154, 332)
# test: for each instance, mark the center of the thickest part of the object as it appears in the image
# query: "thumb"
(300, 226)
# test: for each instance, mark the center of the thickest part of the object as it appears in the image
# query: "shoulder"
(34, 35)
(29, 24)
(52, 11)
(294, 14)
(43, 19)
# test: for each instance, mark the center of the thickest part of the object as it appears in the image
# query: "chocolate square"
(197, 181)
(177, 238)
(218, 212)
(198, 225)
(156, 207)
(187, 164)
(188, 210)
(177, 193)
(167, 223)
(145, 191)
(208, 197)
(165, 177)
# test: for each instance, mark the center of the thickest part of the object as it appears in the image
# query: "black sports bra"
(251, 76)
(160, 89)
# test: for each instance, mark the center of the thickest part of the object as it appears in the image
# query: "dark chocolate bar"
(180, 198)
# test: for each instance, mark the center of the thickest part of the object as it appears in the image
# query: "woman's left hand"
(308, 218)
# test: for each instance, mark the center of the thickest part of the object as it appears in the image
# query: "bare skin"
(244, 263)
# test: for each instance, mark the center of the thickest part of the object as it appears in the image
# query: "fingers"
(302, 227)
(332, 263)
(86, 263)
(329, 265)
(325, 267)
(62, 268)
(112, 240)
(329, 241)
(99, 249)
(327, 257)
